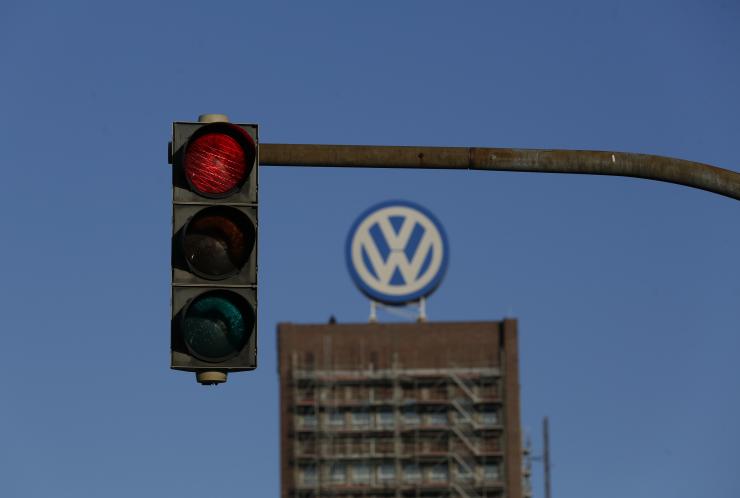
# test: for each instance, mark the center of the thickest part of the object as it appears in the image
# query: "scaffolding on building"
(396, 432)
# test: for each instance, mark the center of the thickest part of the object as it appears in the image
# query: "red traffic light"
(218, 159)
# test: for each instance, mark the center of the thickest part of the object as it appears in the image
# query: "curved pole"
(665, 169)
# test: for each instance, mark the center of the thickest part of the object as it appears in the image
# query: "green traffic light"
(215, 327)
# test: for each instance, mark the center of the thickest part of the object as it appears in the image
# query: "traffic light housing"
(214, 247)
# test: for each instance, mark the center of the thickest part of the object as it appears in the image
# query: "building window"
(487, 388)
(386, 472)
(307, 475)
(305, 393)
(335, 419)
(490, 444)
(491, 472)
(488, 416)
(434, 444)
(439, 392)
(438, 473)
(361, 473)
(411, 472)
(382, 393)
(335, 446)
(410, 416)
(385, 418)
(353, 446)
(307, 446)
(409, 393)
(360, 419)
(464, 472)
(307, 420)
(360, 393)
(338, 473)
(436, 418)
(384, 445)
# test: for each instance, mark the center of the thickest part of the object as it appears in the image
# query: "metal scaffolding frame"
(450, 451)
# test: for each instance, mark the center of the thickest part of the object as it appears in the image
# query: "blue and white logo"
(397, 252)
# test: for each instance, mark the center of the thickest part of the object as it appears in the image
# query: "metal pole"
(691, 174)
(546, 456)
(423, 309)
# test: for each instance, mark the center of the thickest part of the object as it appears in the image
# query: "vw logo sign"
(397, 252)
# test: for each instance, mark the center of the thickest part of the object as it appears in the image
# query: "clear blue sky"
(627, 291)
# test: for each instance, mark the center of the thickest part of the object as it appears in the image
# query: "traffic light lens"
(218, 242)
(216, 163)
(216, 327)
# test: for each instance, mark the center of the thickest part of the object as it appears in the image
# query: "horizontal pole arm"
(691, 174)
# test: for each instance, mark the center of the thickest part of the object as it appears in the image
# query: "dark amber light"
(218, 241)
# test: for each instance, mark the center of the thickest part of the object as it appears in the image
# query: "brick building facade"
(400, 410)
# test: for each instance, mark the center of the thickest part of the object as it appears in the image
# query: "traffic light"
(214, 247)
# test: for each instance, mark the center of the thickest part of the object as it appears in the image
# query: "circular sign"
(397, 252)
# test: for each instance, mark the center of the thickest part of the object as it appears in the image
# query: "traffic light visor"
(218, 159)
(217, 325)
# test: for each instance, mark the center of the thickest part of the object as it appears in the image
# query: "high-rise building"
(400, 410)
